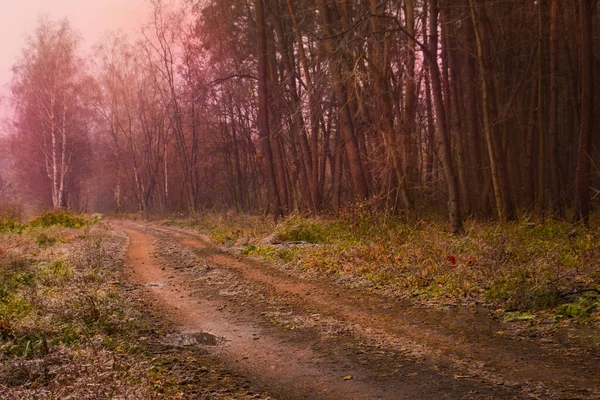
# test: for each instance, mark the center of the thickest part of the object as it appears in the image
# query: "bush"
(61, 218)
(300, 230)
(10, 224)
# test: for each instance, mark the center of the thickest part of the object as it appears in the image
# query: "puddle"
(191, 339)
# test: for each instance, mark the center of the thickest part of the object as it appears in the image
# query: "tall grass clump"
(63, 218)
(10, 224)
(299, 229)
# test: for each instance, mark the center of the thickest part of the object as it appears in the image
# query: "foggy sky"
(90, 18)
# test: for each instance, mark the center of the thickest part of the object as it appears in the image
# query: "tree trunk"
(410, 100)
(492, 151)
(263, 113)
(384, 110)
(582, 189)
(442, 129)
(554, 162)
(314, 116)
(346, 124)
(541, 106)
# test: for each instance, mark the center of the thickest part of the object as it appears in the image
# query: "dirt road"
(303, 338)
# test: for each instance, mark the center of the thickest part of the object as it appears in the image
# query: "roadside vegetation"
(65, 331)
(521, 270)
(69, 327)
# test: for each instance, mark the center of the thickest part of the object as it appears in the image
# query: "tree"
(443, 138)
(582, 188)
(342, 95)
(263, 112)
(51, 131)
(313, 106)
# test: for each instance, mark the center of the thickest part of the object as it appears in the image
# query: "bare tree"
(49, 89)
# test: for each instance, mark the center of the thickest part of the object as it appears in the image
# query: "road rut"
(301, 338)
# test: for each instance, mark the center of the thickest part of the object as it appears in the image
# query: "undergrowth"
(9, 223)
(62, 218)
(65, 330)
(519, 267)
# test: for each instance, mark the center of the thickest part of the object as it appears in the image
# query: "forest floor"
(304, 336)
(140, 310)
(73, 325)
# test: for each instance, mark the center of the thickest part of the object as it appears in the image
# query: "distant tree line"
(481, 108)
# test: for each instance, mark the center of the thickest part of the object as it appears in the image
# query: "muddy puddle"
(183, 339)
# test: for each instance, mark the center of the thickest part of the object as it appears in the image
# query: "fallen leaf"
(348, 377)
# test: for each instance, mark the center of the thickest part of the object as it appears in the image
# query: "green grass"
(272, 253)
(297, 229)
(10, 224)
(582, 308)
(62, 218)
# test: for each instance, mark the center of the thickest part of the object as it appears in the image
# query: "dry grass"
(65, 331)
(72, 328)
(546, 268)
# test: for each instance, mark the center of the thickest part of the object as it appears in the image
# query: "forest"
(304, 199)
(468, 108)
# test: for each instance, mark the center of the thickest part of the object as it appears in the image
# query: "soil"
(293, 336)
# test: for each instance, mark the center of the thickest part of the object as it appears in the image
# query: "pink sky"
(91, 18)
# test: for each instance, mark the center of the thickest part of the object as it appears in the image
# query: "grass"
(69, 327)
(519, 267)
(10, 223)
(63, 328)
(62, 218)
(226, 228)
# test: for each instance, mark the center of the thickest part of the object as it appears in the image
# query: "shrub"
(10, 224)
(300, 230)
(61, 218)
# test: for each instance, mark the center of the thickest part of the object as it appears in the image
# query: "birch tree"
(49, 97)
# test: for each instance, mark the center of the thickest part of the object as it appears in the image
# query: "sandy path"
(436, 355)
